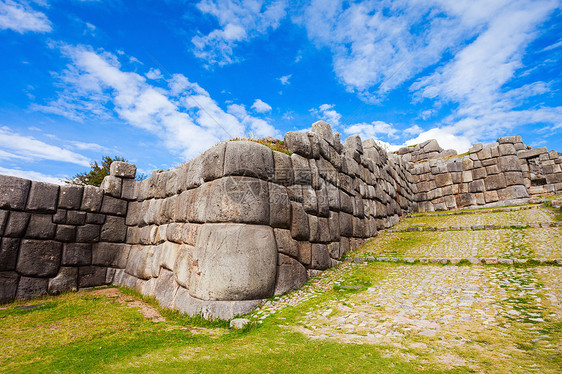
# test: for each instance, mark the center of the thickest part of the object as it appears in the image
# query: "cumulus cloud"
(183, 115)
(260, 106)
(33, 175)
(372, 130)
(27, 147)
(445, 138)
(239, 22)
(22, 18)
(326, 112)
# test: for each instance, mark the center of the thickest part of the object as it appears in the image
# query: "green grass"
(278, 146)
(84, 333)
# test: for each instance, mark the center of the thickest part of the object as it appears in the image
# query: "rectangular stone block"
(77, 254)
(17, 224)
(110, 254)
(29, 288)
(43, 197)
(112, 205)
(65, 233)
(39, 258)
(92, 199)
(75, 217)
(88, 233)
(123, 169)
(285, 243)
(13, 192)
(114, 230)
(70, 197)
(41, 227)
(91, 276)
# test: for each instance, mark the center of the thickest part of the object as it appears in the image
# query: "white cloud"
(21, 18)
(239, 21)
(413, 130)
(326, 112)
(372, 130)
(256, 127)
(154, 74)
(88, 146)
(33, 149)
(476, 78)
(445, 138)
(183, 116)
(261, 107)
(285, 79)
(33, 175)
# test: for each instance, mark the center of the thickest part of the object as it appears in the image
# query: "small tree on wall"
(97, 172)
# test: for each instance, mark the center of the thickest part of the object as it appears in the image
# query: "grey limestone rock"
(238, 199)
(290, 275)
(43, 197)
(92, 199)
(14, 192)
(234, 262)
(122, 169)
(298, 142)
(8, 286)
(41, 227)
(112, 186)
(250, 159)
(110, 254)
(39, 258)
(91, 276)
(114, 230)
(8, 253)
(66, 280)
(16, 224)
(70, 197)
(29, 288)
(77, 254)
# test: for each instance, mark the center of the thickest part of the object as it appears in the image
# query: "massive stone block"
(70, 197)
(14, 192)
(297, 142)
(39, 258)
(250, 159)
(66, 280)
(41, 227)
(238, 199)
(17, 223)
(233, 262)
(92, 199)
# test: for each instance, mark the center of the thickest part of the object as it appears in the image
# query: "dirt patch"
(147, 310)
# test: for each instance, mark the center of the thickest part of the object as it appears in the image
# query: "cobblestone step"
(483, 211)
(478, 227)
(455, 261)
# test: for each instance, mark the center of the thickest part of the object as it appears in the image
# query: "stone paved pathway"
(486, 319)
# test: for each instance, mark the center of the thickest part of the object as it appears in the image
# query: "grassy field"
(118, 331)
(115, 330)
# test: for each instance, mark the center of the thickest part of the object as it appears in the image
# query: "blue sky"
(157, 82)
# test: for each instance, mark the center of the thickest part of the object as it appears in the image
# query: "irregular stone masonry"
(240, 223)
(478, 227)
(455, 261)
(461, 212)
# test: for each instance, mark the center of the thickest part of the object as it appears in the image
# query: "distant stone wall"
(57, 238)
(505, 172)
(241, 222)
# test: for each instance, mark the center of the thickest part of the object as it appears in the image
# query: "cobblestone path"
(474, 318)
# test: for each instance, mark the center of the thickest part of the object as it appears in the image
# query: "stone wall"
(57, 238)
(241, 222)
(505, 172)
